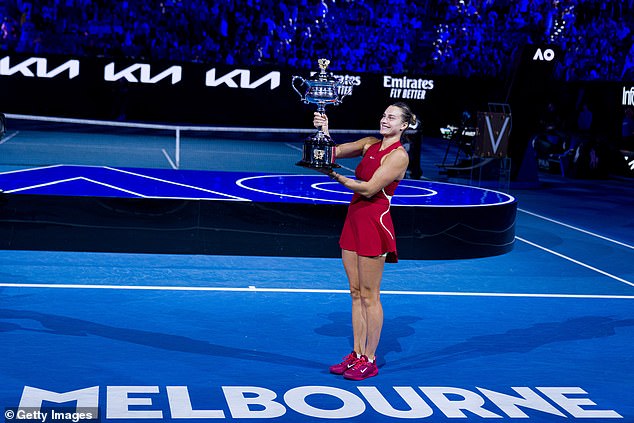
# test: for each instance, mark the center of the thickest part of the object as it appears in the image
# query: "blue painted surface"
(556, 312)
(242, 186)
(445, 328)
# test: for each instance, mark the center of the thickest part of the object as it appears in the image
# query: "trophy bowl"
(322, 89)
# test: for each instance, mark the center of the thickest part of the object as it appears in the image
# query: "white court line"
(230, 197)
(294, 147)
(577, 229)
(253, 288)
(44, 185)
(31, 169)
(587, 266)
(240, 183)
(113, 187)
(140, 175)
(79, 178)
(8, 137)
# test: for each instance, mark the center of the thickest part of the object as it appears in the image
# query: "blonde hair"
(408, 116)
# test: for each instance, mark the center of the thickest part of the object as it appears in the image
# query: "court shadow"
(517, 341)
(394, 329)
(68, 326)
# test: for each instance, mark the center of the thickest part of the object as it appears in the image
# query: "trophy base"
(313, 166)
(318, 153)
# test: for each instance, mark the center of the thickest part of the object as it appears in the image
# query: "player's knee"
(355, 293)
(369, 297)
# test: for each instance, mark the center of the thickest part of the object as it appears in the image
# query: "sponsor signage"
(627, 98)
(220, 95)
(216, 94)
(544, 55)
(493, 134)
(319, 402)
(142, 73)
(244, 81)
(39, 67)
(407, 88)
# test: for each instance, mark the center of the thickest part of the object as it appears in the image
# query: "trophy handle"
(301, 96)
(346, 91)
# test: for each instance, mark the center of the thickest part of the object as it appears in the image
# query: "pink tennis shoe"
(346, 364)
(362, 369)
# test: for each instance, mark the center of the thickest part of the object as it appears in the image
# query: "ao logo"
(547, 55)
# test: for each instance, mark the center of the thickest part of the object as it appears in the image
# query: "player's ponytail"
(408, 116)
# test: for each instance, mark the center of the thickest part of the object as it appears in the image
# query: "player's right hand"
(320, 120)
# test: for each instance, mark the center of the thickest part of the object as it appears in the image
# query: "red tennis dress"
(368, 228)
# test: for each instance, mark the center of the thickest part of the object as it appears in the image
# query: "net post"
(177, 156)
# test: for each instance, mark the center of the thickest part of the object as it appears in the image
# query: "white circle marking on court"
(240, 183)
(318, 187)
(430, 192)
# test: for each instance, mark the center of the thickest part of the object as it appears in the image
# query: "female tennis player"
(367, 240)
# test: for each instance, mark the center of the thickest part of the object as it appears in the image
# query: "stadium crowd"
(455, 37)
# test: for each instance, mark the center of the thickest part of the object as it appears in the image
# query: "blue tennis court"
(227, 186)
(542, 333)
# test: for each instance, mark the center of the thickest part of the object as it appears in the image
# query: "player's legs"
(359, 328)
(370, 273)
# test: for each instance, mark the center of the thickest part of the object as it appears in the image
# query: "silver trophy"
(322, 89)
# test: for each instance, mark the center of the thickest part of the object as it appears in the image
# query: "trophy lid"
(323, 64)
(323, 75)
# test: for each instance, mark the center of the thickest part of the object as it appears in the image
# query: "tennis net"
(44, 141)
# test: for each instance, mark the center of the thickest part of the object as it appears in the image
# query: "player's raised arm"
(346, 150)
